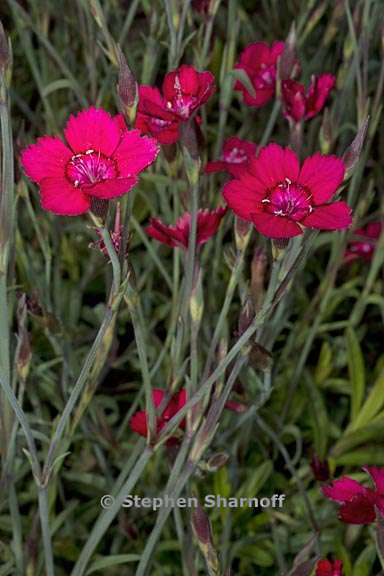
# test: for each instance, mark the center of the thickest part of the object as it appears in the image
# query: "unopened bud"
(352, 154)
(127, 88)
(196, 303)
(217, 461)
(258, 269)
(202, 529)
(24, 352)
(191, 150)
(201, 525)
(326, 133)
(243, 231)
(288, 61)
(4, 50)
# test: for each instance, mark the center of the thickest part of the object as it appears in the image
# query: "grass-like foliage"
(191, 287)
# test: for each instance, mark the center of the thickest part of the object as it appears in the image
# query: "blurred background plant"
(310, 384)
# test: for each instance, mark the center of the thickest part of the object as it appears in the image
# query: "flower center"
(265, 77)
(290, 200)
(181, 104)
(235, 156)
(85, 170)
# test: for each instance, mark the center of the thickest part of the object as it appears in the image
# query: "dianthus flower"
(300, 103)
(329, 568)
(184, 91)
(281, 199)
(235, 156)
(102, 159)
(139, 421)
(358, 503)
(365, 247)
(177, 236)
(259, 61)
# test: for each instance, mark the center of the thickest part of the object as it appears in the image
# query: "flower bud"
(127, 89)
(4, 51)
(24, 352)
(352, 154)
(243, 231)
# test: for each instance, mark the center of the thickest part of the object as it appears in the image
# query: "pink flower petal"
(45, 159)
(275, 226)
(322, 175)
(262, 95)
(93, 129)
(157, 396)
(318, 93)
(244, 195)
(377, 475)
(274, 165)
(112, 188)
(138, 423)
(344, 489)
(208, 223)
(359, 510)
(134, 153)
(163, 233)
(327, 568)
(218, 166)
(60, 197)
(336, 216)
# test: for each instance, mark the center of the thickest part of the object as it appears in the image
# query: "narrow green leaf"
(372, 405)
(112, 561)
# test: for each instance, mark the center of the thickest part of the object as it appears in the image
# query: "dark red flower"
(365, 247)
(320, 468)
(184, 91)
(235, 156)
(280, 198)
(139, 421)
(102, 159)
(358, 502)
(301, 104)
(201, 6)
(154, 118)
(177, 236)
(328, 568)
(260, 63)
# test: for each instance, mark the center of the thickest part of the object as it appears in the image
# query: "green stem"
(107, 517)
(45, 530)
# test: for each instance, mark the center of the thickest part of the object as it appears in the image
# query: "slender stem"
(133, 303)
(20, 415)
(77, 390)
(202, 441)
(45, 530)
(106, 518)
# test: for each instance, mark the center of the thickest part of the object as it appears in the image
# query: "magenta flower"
(281, 199)
(365, 247)
(301, 104)
(101, 160)
(358, 502)
(235, 156)
(184, 91)
(139, 421)
(177, 236)
(328, 568)
(320, 468)
(153, 116)
(260, 63)
(202, 6)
